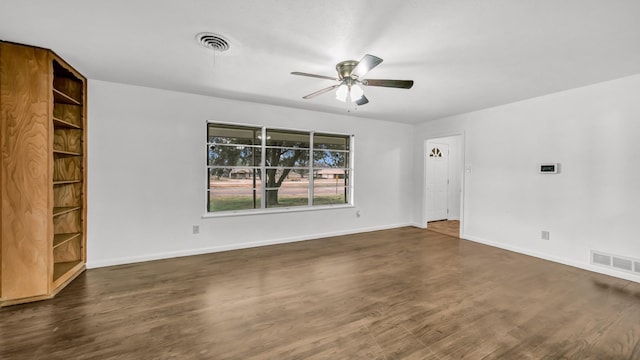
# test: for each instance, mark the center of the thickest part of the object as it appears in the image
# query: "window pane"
(225, 177)
(330, 159)
(235, 163)
(292, 192)
(245, 200)
(288, 138)
(229, 134)
(334, 174)
(236, 155)
(234, 189)
(330, 191)
(277, 157)
(330, 142)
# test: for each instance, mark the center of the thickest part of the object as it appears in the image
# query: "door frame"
(461, 170)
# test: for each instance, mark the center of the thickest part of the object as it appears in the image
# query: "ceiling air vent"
(213, 41)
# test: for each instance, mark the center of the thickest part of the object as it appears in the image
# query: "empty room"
(295, 179)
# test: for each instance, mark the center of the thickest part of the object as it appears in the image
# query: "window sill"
(275, 211)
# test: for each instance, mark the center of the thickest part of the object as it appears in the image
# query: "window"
(301, 168)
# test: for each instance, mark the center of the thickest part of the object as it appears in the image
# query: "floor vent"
(615, 262)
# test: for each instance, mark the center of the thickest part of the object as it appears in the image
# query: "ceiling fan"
(350, 77)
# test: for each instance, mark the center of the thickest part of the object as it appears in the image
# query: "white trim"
(274, 210)
(263, 170)
(245, 245)
(559, 260)
(311, 188)
(321, 132)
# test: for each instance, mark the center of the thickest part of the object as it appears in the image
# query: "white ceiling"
(463, 55)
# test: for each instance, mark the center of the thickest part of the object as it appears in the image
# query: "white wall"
(593, 132)
(147, 180)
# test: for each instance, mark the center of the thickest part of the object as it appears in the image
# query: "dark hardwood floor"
(447, 227)
(405, 293)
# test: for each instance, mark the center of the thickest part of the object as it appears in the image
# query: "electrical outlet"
(544, 235)
(196, 229)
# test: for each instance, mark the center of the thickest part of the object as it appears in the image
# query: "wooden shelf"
(61, 268)
(66, 153)
(60, 97)
(59, 239)
(61, 123)
(57, 211)
(64, 182)
(43, 239)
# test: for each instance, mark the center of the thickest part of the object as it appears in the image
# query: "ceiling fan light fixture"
(342, 92)
(356, 93)
(350, 78)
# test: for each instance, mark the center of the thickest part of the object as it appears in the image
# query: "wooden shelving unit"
(66, 153)
(39, 261)
(64, 182)
(69, 203)
(62, 123)
(61, 271)
(62, 98)
(59, 239)
(61, 210)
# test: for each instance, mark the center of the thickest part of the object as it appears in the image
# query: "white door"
(437, 181)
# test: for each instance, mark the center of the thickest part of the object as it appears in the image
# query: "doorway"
(444, 162)
(437, 181)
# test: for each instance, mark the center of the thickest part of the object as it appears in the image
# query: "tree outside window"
(300, 168)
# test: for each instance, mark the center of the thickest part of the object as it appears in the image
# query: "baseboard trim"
(579, 265)
(229, 247)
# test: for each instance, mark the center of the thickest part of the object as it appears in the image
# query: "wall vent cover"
(213, 41)
(615, 262)
(600, 259)
(622, 264)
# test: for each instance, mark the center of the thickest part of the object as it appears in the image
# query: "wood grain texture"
(25, 182)
(68, 81)
(447, 227)
(68, 222)
(66, 139)
(67, 195)
(69, 251)
(71, 114)
(64, 83)
(406, 293)
(67, 167)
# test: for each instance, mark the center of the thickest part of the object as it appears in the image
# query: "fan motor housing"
(344, 68)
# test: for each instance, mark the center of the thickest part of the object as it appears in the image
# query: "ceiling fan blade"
(314, 75)
(365, 65)
(402, 84)
(320, 92)
(363, 100)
